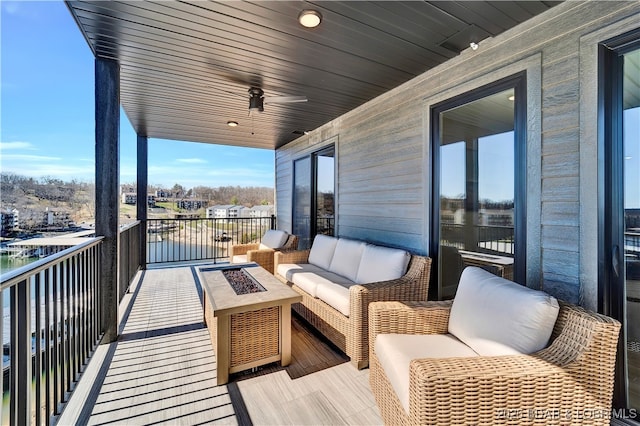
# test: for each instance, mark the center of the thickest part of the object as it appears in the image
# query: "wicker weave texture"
(569, 382)
(351, 334)
(254, 335)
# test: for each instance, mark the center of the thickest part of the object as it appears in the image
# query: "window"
(478, 195)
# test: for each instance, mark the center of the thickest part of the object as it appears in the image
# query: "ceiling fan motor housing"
(256, 101)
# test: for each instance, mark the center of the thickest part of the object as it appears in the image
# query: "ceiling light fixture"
(473, 45)
(232, 123)
(309, 18)
(512, 98)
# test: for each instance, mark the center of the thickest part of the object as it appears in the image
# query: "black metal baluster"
(38, 354)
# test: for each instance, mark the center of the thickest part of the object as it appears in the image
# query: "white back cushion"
(322, 250)
(274, 238)
(381, 264)
(346, 258)
(495, 316)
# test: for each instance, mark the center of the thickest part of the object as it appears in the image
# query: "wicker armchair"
(568, 382)
(261, 256)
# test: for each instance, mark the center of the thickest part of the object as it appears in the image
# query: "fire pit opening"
(241, 281)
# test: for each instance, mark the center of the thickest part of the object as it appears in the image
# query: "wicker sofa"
(338, 278)
(568, 381)
(262, 253)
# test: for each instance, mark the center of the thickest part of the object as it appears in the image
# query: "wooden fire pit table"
(247, 330)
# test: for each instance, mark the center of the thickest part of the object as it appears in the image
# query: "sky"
(47, 113)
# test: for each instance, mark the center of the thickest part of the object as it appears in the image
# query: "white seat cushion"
(335, 295)
(395, 352)
(239, 258)
(346, 258)
(273, 239)
(495, 316)
(288, 270)
(322, 250)
(307, 276)
(381, 264)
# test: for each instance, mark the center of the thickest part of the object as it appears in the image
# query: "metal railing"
(488, 239)
(129, 259)
(183, 239)
(53, 326)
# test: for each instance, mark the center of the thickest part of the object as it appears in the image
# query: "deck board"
(162, 371)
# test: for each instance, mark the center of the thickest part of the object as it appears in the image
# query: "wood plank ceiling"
(186, 67)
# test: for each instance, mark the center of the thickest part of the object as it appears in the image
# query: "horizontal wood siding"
(382, 149)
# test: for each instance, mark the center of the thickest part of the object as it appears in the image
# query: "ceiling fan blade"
(284, 99)
(235, 76)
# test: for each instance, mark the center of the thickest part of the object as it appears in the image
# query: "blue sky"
(47, 112)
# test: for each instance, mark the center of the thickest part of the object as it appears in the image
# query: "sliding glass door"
(314, 196)
(619, 279)
(478, 154)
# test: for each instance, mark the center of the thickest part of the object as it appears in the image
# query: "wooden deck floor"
(162, 371)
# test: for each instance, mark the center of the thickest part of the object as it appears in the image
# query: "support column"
(142, 206)
(107, 95)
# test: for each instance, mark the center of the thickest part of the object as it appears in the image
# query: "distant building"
(124, 189)
(129, 198)
(163, 194)
(132, 199)
(56, 218)
(226, 211)
(266, 210)
(8, 221)
(191, 204)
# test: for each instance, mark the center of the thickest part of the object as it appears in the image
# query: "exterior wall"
(382, 147)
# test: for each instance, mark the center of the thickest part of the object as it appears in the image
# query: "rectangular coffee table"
(247, 330)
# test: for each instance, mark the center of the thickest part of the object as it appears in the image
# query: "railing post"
(107, 112)
(273, 221)
(142, 188)
(20, 381)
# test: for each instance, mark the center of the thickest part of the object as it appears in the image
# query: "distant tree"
(178, 190)
(234, 200)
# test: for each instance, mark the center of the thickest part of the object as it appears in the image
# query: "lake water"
(7, 264)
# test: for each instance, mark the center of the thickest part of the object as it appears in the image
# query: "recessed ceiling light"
(232, 123)
(309, 18)
(512, 98)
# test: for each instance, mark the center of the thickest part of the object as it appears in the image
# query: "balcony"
(162, 368)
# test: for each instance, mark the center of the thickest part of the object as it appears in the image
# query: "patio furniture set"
(498, 353)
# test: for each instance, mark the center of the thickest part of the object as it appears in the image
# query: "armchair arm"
(295, 256)
(494, 390)
(239, 249)
(408, 317)
(263, 257)
(412, 286)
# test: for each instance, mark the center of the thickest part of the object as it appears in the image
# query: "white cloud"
(27, 157)
(16, 145)
(191, 160)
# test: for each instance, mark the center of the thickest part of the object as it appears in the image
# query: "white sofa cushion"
(495, 316)
(335, 295)
(239, 258)
(346, 258)
(322, 250)
(273, 239)
(288, 270)
(395, 352)
(381, 264)
(312, 281)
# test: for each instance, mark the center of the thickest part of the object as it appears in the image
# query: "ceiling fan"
(257, 100)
